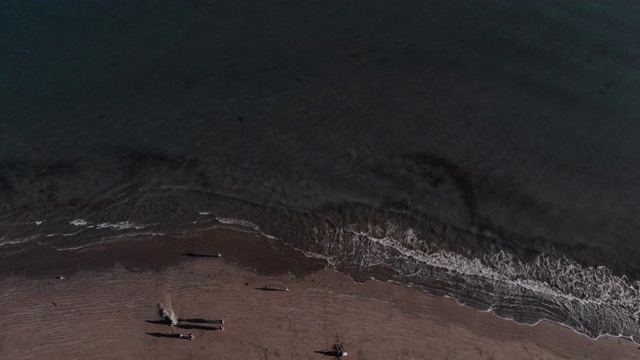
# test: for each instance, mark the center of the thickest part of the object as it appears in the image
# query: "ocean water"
(485, 151)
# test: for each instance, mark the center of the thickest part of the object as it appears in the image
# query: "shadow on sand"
(159, 322)
(189, 326)
(156, 334)
(198, 327)
(190, 254)
(201, 321)
(267, 288)
(333, 353)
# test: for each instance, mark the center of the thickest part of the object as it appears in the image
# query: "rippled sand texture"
(104, 316)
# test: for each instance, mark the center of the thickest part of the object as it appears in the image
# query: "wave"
(244, 223)
(120, 226)
(123, 225)
(18, 241)
(102, 242)
(78, 222)
(64, 234)
(592, 301)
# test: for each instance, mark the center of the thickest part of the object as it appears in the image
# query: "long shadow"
(328, 353)
(201, 321)
(266, 288)
(188, 326)
(156, 334)
(190, 254)
(199, 327)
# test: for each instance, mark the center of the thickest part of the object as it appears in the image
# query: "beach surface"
(483, 151)
(108, 310)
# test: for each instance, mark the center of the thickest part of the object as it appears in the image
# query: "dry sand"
(109, 314)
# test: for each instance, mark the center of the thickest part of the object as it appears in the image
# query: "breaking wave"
(123, 225)
(244, 223)
(592, 301)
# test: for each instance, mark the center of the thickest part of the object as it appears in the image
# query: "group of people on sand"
(169, 316)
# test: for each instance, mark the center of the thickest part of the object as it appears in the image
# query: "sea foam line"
(64, 234)
(244, 223)
(123, 225)
(331, 262)
(4, 242)
(506, 269)
(595, 301)
(78, 222)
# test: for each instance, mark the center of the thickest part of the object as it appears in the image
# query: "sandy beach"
(109, 311)
(482, 150)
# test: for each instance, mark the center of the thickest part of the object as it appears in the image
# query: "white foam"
(136, 234)
(38, 222)
(4, 242)
(64, 234)
(120, 226)
(78, 222)
(244, 223)
(70, 248)
(106, 240)
(595, 300)
(204, 213)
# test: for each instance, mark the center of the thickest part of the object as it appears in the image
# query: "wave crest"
(592, 301)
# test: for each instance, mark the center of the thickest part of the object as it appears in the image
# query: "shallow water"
(485, 149)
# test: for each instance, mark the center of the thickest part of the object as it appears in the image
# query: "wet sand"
(109, 311)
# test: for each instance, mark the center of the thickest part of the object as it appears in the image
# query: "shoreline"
(250, 256)
(37, 261)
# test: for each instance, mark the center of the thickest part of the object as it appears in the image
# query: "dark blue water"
(469, 148)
